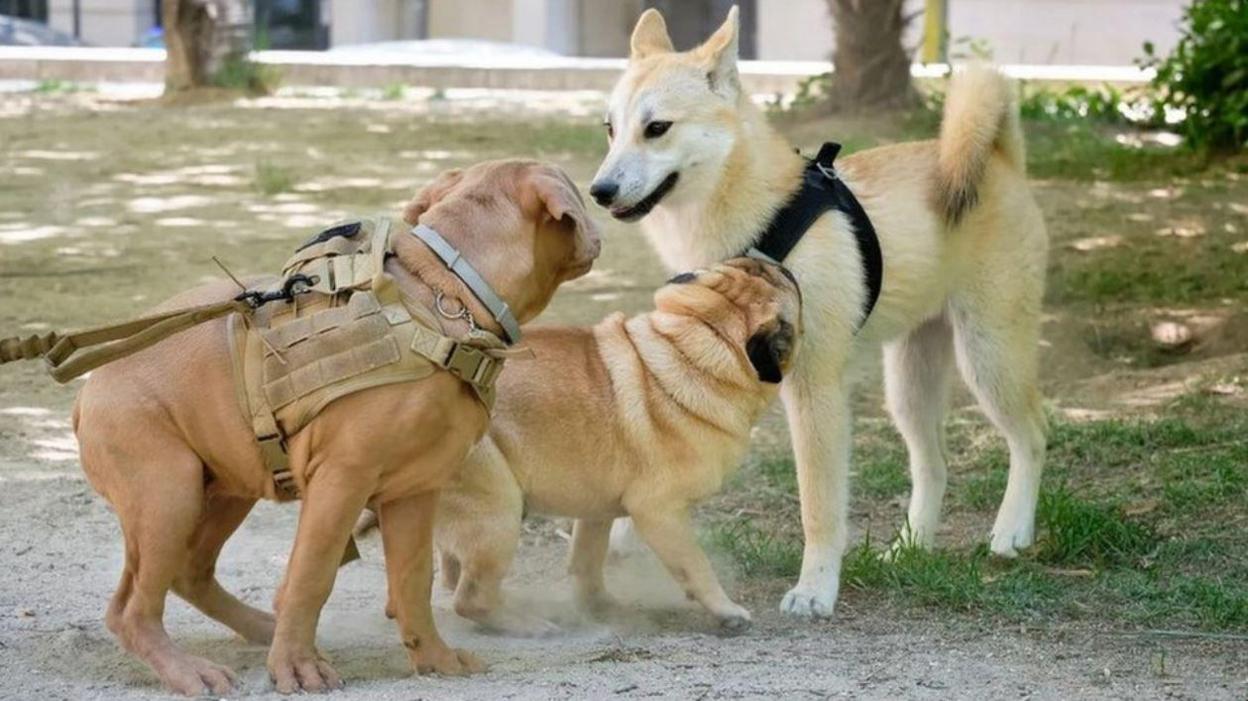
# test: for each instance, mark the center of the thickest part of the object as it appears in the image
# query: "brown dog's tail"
(981, 117)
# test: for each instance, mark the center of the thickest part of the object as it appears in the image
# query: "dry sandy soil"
(114, 207)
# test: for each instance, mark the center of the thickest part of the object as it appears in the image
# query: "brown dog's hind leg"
(197, 583)
(407, 538)
(590, 540)
(158, 522)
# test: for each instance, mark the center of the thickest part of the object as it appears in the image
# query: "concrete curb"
(329, 68)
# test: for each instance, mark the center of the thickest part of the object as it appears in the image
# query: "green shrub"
(1206, 76)
(241, 73)
(1074, 103)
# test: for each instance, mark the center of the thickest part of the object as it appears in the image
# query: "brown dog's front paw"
(194, 676)
(293, 673)
(428, 659)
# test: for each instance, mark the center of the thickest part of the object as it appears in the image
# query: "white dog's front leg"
(815, 399)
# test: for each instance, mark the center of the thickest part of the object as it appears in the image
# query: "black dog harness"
(820, 192)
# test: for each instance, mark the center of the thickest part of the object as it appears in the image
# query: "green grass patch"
(271, 179)
(1077, 532)
(393, 91)
(757, 552)
(55, 86)
(1130, 525)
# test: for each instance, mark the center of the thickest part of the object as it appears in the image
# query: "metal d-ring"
(439, 303)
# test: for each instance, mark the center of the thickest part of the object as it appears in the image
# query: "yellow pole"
(935, 19)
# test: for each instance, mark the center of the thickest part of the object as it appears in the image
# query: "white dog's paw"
(625, 543)
(1006, 542)
(809, 602)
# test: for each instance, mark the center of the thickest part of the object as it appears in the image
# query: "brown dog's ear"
(430, 194)
(650, 36)
(562, 202)
(719, 55)
(769, 351)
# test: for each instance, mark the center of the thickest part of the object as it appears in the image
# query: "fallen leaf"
(1171, 335)
(1097, 242)
(1062, 572)
(1226, 389)
(1139, 508)
(1183, 232)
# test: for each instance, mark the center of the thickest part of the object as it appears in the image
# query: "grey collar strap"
(480, 288)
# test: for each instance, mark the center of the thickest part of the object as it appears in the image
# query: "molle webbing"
(348, 332)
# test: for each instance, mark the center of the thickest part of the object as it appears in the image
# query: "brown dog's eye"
(656, 129)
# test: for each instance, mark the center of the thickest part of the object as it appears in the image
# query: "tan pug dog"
(164, 441)
(640, 417)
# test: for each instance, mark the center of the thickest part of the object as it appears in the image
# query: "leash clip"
(294, 285)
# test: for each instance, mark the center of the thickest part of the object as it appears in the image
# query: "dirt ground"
(106, 208)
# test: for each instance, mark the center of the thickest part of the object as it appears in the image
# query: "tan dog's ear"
(562, 202)
(719, 55)
(430, 194)
(650, 36)
(770, 351)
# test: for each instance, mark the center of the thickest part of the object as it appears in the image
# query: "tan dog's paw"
(440, 659)
(292, 672)
(599, 604)
(194, 676)
(521, 625)
(735, 622)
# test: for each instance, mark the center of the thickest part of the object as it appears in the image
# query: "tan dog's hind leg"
(478, 531)
(331, 504)
(157, 527)
(407, 538)
(670, 534)
(590, 541)
(449, 568)
(997, 344)
(917, 374)
(197, 583)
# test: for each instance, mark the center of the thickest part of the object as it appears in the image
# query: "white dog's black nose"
(604, 191)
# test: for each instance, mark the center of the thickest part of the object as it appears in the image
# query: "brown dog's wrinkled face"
(521, 223)
(756, 305)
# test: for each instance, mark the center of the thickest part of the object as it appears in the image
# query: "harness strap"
(480, 288)
(820, 192)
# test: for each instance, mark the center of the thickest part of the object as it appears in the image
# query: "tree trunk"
(871, 67)
(202, 37)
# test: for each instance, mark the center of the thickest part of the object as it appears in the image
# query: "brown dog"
(164, 441)
(639, 417)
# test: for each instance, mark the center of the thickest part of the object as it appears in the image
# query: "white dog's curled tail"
(981, 116)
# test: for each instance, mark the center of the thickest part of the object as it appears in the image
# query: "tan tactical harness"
(336, 323)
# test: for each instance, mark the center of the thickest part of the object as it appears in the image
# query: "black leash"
(822, 191)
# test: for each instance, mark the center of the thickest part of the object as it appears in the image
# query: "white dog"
(963, 246)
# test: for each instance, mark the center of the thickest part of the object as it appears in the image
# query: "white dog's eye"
(656, 129)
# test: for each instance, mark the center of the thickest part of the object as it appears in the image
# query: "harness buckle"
(473, 366)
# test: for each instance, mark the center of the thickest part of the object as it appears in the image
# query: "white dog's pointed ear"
(719, 55)
(650, 36)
